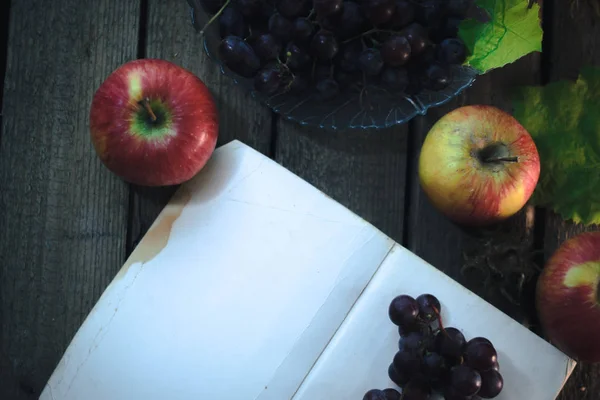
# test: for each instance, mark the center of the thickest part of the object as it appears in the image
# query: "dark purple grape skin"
(447, 30)
(450, 343)
(396, 377)
(268, 80)
(407, 363)
(391, 394)
(434, 366)
(239, 56)
(292, 8)
(403, 309)
(302, 30)
(479, 339)
(231, 22)
(296, 58)
(450, 393)
(492, 384)
(346, 79)
(417, 37)
(459, 8)
(452, 51)
(395, 51)
(322, 71)
(267, 47)
(431, 13)
(324, 45)
(416, 326)
(349, 23)
(413, 342)
(325, 8)
(496, 366)
(348, 55)
(436, 78)
(403, 15)
(212, 6)
(379, 12)
(327, 88)
(416, 390)
(480, 356)
(465, 380)
(371, 64)
(374, 394)
(280, 27)
(429, 307)
(250, 8)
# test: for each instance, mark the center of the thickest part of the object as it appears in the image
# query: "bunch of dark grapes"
(331, 46)
(433, 358)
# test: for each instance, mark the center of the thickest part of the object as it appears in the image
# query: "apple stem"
(501, 159)
(146, 104)
(214, 17)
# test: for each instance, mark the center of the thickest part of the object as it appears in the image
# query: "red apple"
(478, 165)
(568, 301)
(153, 123)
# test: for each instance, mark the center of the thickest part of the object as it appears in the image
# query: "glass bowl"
(373, 106)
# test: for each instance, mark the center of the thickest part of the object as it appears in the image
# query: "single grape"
(348, 55)
(295, 57)
(327, 88)
(429, 307)
(407, 363)
(349, 23)
(417, 326)
(450, 393)
(413, 342)
(267, 47)
(302, 30)
(452, 51)
(496, 366)
(465, 380)
(231, 22)
(379, 12)
(479, 339)
(299, 83)
(480, 356)
(403, 15)
(492, 383)
(292, 8)
(431, 13)
(403, 309)
(436, 78)
(449, 343)
(391, 394)
(459, 8)
(417, 37)
(434, 366)
(212, 6)
(328, 7)
(250, 8)
(395, 51)
(371, 64)
(324, 45)
(280, 27)
(396, 377)
(239, 56)
(374, 394)
(268, 80)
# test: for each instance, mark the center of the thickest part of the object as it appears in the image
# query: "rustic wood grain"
(575, 42)
(62, 214)
(432, 236)
(363, 170)
(171, 37)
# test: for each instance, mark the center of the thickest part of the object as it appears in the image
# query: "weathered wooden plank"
(575, 42)
(363, 170)
(432, 236)
(172, 37)
(62, 214)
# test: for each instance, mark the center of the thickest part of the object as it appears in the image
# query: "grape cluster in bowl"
(340, 63)
(433, 358)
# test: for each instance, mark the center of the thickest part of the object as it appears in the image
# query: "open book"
(254, 285)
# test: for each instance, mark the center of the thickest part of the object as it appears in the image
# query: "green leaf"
(564, 120)
(513, 32)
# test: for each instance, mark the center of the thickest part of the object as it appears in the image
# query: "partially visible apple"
(478, 165)
(153, 123)
(568, 297)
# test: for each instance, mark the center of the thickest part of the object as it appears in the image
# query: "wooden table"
(67, 224)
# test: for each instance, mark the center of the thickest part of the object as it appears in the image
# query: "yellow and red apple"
(153, 123)
(568, 297)
(478, 165)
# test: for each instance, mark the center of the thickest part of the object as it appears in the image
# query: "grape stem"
(214, 17)
(439, 319)
(146, 104)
